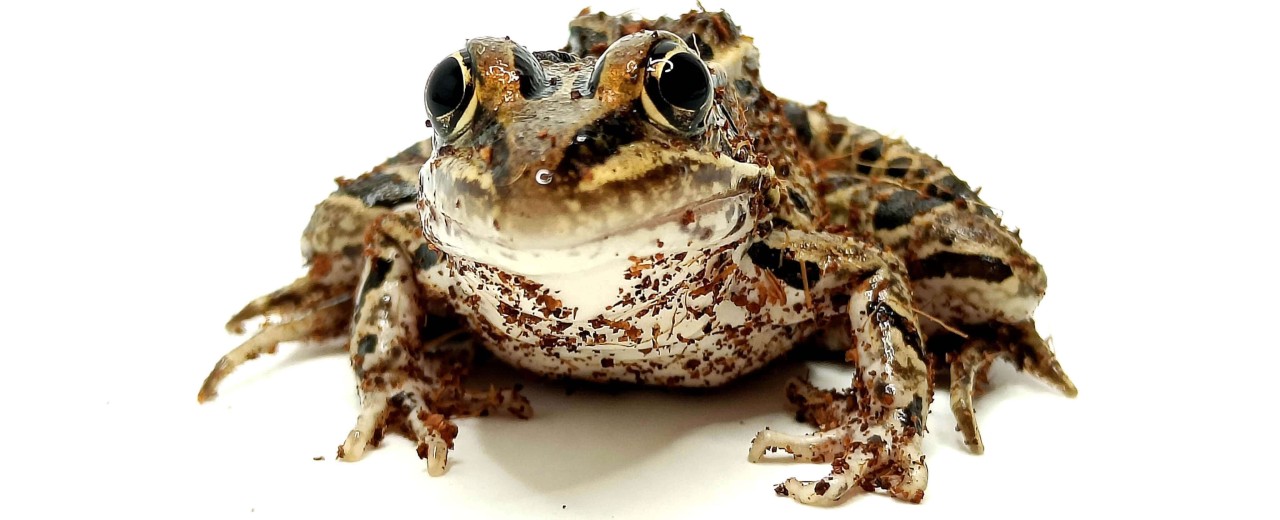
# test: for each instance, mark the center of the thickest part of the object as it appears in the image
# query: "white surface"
(160, 161)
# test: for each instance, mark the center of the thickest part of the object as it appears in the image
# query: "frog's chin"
(703, 225)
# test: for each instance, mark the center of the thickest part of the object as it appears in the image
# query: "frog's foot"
(306, 309)
(423, 414)
(866, 450)
(329, 283)
(1021, 345)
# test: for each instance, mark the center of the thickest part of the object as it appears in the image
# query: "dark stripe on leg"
(901, 207)
(960, 265)
(882, 314)
(368, 343)
(912, 416)
(377, 274)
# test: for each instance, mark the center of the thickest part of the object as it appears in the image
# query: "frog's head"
(545, 161)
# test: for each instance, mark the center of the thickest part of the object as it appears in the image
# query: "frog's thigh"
(964, 266)
(979, 289)
(966, 269)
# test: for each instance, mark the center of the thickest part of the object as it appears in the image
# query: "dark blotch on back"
(798, 116)
(835, 134)
(786, 269)
(960, 265)
(383, 190)
(898, 167)
(951, 188)
(900, 207)
(869, 156)
(798, 201)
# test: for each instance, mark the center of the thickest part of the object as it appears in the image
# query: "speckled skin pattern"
(637, 207)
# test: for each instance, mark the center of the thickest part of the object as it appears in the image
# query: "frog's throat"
(702, 225)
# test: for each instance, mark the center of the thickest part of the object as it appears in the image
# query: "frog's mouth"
(543, 224)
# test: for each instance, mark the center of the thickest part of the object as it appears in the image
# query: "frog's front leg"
(406, 384)
(871, 433)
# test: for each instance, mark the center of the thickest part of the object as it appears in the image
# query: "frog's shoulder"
(390, 184)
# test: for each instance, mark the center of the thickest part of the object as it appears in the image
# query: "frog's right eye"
(450, 95)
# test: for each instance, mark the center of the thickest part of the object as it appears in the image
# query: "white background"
(159, 162)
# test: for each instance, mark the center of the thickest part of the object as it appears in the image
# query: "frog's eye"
(450, 94)
(677, 89)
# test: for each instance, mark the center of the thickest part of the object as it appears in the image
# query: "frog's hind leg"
(970, 276)
(317, 320)
(314, 308)
(407, 384)
(1020, 345)
(317, 307)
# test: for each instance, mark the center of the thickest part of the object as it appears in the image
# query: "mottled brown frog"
(637, 207)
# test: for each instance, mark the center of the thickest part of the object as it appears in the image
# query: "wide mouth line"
(671, 215)
(678, 213)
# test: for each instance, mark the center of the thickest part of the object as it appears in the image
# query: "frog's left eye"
(677, 90)
(450, 94)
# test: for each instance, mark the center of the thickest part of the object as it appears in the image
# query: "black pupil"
(684, 82)
(444, 90)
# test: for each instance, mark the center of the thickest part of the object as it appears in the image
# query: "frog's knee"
(974, 271)
(976, 288)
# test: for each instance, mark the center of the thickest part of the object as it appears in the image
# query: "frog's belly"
(695, 319)
(707, 360)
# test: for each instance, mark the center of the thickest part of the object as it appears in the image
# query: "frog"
(637, 208)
